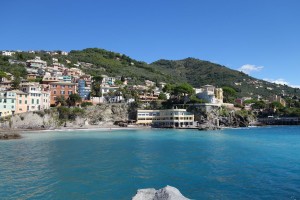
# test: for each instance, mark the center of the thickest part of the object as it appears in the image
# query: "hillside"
(198, 73)
(96, 61)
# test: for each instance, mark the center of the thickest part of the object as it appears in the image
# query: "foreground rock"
(9, 136)
(166, 193)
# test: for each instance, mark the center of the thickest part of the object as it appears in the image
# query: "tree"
(168, 88)
(2, 75)
(60, 100)
(229, 94)
(259, 105)
(276, 105)
(73, 99)
(16, 83)
(118, 82)
(96, 89)
(123, 79)
(162, 96)
(185, 89)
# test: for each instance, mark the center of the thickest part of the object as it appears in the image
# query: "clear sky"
(261, 37)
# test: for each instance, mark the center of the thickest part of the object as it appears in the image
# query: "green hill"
(199, 72)
(96, 61)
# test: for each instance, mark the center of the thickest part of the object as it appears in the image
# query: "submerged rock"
(9, 136)
(166, 193)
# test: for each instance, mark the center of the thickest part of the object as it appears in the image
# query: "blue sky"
(262, 36)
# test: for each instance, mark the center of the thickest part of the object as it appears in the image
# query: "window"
(20, 101)
(62, 86)
(54, 92)
(70, 92)
(70, 86)
(62, 92)
(32, 101)
(37, 101)
(13, 101)
(4, 106)
(12, 107)
(25, 101)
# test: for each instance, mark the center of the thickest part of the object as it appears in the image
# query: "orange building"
(61, 89)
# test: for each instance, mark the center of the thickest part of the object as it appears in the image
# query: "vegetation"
(229, 94)
(86, 104)
(73, 99)
(65, 113)
(195, 72)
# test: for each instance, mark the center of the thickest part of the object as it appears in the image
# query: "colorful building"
(61, 89)
(39, 99)
(22, 100)
(83, 91)
(7, 103)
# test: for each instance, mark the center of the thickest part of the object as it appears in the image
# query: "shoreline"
(100, 128)
(11, 133)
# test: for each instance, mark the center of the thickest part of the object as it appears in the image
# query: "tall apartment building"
(83, 91)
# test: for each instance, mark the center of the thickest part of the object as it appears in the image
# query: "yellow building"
(170, 118)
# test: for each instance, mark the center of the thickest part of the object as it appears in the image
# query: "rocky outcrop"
(166, 193)
(93, 116)
(31, 120)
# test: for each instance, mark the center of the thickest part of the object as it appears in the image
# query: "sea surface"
(251, 163)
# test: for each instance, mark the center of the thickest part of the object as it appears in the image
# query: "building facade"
(170, 118)
(7, 103)
(83, 91)
(22, 100)
(210, 94)
(61, 89)
(38, 98)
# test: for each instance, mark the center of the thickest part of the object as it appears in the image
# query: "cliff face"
(97, 116)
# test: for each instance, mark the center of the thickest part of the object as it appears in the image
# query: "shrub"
(85, 104)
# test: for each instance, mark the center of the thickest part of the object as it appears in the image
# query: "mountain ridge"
(191, 70)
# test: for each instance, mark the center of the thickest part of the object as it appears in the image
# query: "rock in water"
(166, 193)
(145, 194)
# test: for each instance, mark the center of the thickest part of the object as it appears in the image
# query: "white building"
(210, 94)
(107, 88)
(36, 63)
(108, 80)
(64, 53)
(7, 53)
(7, 103)
(172, 118)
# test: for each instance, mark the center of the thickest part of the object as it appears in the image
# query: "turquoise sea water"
(256, 163)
